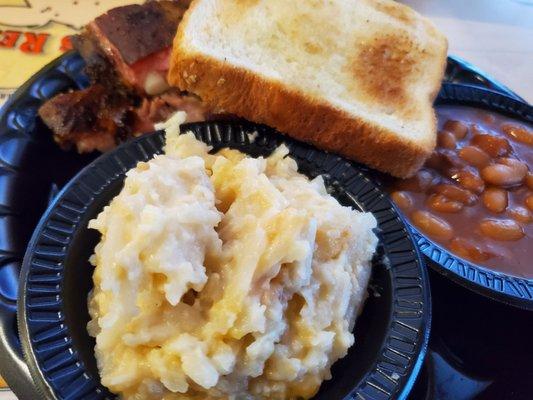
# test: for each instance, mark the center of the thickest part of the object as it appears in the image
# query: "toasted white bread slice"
(353, 77)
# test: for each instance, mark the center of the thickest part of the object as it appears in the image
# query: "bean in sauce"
(475, 193)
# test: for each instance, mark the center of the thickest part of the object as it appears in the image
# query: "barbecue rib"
(90, 118)
(134, 43)
(127, 53)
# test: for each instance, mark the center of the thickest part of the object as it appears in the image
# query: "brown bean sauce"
(474, 195)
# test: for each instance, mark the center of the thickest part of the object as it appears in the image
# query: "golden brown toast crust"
(236, 90)
(240, 92)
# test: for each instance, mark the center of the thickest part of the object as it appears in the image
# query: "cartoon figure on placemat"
(74, 13)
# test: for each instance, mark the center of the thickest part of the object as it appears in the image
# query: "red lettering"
(34, 43)
(9, 39)
(66, 44)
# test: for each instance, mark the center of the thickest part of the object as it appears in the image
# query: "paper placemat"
(34, 32)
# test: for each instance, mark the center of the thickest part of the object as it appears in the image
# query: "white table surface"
(494, 35)
(7, 396)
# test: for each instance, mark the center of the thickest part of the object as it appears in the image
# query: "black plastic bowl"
(499, 286)
(391, 334)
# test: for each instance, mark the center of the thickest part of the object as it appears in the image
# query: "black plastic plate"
(391, 336)
(33, 169)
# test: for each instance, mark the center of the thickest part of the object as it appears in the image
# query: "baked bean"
(458, 128)
(529, 180)
(433, 161)
(446, 140)
(470, 180)
(502, 229)
(496, 200)
(494, 146)
(519, 133)
(474, 156)
(456, 193)
(448, 162)
(432, 225)
(517, 165)
(529, 201)
(466, 249)
(451, 159)
(418, 183)
(520, 214)
(402, 200)
(441, 203)
(502, 175)
(445, 161)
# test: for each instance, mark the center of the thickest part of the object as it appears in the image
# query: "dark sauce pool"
(474, 195)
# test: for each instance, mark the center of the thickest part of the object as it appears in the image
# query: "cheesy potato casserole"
(221, 276)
